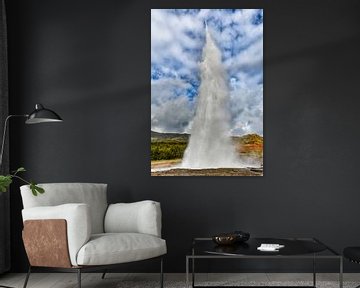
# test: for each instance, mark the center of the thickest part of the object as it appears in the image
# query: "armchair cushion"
(78, 221)
(138, 217)
(92, 194)
(113, 248)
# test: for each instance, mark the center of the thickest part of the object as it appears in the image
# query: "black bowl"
(241, 236)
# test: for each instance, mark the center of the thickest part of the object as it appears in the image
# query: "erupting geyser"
(210, 144)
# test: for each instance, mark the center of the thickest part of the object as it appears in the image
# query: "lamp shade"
(42, 115)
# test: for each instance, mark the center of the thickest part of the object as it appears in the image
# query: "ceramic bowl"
(225, 239)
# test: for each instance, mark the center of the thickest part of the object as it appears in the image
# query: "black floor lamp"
(39, 115)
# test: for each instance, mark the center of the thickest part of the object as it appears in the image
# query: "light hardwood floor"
(114, 280)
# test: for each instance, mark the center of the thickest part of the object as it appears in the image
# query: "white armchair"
(72, 228)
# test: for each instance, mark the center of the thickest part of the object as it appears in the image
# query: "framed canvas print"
(207, 92)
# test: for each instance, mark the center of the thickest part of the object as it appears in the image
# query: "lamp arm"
(4, 134)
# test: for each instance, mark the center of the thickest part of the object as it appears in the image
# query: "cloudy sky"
(177, 39)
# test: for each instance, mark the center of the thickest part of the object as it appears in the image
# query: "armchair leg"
(27, 277)
(161, 273)
(103, 275)
(79, 277)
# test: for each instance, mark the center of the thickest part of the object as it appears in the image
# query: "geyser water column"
(210, 144)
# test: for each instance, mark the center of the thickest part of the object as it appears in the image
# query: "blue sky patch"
(177, 39)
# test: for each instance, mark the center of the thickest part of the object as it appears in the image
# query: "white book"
(270, 247)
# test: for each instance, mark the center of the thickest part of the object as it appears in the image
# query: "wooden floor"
(114, 280)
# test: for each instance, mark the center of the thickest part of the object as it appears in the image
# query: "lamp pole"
(2, 152)
(4, 133)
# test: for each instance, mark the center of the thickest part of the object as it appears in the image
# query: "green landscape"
(167, 149)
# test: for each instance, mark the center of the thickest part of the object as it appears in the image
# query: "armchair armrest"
(78, 223)
(138, 217)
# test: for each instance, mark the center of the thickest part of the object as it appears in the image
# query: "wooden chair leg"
(27, 277)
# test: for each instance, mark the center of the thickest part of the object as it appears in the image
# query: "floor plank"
(114, 280)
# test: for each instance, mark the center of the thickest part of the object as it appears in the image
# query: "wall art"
(207, 92)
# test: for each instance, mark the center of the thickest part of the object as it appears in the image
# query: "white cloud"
(248, 60)
(176, 42)
(171, 110)
(246, 109)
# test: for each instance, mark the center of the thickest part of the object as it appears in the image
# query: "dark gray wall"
(4, 166)
(90, 61)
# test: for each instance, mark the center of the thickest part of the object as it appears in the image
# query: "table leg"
(187, 272)
(341, 273)
(193, 272)
(314, 271)
(193, 267)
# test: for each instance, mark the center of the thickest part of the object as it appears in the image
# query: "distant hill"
(254, 139)
(176, 137)
(249, 139)
(249, 145)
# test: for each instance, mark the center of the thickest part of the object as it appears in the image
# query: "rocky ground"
(210, 172)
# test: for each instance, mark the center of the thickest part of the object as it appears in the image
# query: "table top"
(292, 247)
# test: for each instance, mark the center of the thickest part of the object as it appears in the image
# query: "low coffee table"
(295, 248)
